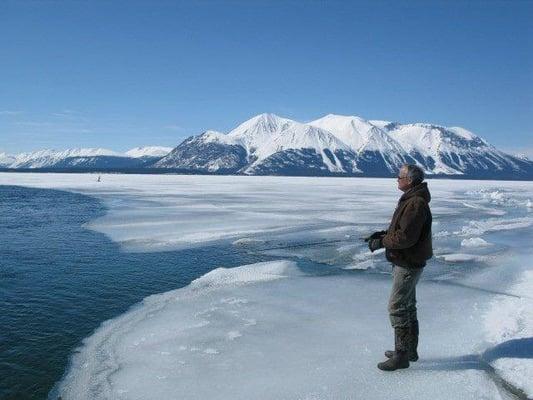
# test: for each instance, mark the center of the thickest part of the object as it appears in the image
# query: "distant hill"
(84, 158)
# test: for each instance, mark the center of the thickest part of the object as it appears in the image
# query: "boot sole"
(390, 370)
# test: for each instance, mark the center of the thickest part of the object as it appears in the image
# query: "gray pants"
(402, 301)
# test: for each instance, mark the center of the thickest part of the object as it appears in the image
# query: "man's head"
(409, 176)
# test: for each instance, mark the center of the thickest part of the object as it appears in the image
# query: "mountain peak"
(267, 120)
(254, 132)
(352, 130)
(267, 117)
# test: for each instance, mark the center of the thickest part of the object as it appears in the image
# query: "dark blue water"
(59, 282)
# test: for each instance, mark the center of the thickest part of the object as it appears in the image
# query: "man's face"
(404, 183)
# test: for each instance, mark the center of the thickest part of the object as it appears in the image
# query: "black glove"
(374, 244)
(376, 235)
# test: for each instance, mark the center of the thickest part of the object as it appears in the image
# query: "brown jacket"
(408, 239)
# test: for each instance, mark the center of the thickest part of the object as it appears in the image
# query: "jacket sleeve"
(409, 228)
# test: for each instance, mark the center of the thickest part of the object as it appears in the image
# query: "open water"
(60, 281)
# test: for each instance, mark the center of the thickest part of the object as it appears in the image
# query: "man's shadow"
(515, 348)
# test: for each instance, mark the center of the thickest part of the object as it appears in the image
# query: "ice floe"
(298, 337)
(474, 242)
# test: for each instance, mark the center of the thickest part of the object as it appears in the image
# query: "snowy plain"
(279, 330)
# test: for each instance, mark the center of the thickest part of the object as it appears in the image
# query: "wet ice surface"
(277, 331)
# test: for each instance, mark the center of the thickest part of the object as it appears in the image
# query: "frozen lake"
(312, 324)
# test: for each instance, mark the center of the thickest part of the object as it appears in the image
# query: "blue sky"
(119, 74)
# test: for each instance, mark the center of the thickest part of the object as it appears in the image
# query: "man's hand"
(374, 244)
(376, 235)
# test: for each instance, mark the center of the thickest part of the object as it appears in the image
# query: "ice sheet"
(278, 334)
(293, 338)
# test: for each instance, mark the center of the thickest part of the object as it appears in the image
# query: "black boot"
(413, 343)
(400, 358)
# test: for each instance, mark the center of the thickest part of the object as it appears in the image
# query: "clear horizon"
(120, 75)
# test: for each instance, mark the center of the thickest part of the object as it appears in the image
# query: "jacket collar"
(420, 190)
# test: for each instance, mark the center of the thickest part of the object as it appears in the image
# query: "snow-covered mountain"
(332, 145)
(337, 144)
(84, 158)
(264, 144)
(211, 152)
(6, 160)
(257, 131)
(148, 151)
(454, 151)
(49, 158)
(300, 148)
(376, 152)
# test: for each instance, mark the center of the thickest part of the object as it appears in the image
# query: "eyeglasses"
(401, 177)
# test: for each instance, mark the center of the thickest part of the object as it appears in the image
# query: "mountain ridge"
(350, 145)
(83, 158)
(337, 145)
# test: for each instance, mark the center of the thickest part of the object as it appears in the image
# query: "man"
(408, 246)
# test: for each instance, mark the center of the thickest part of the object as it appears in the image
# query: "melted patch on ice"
(247, 242)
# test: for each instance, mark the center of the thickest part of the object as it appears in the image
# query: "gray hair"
(414, 173)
